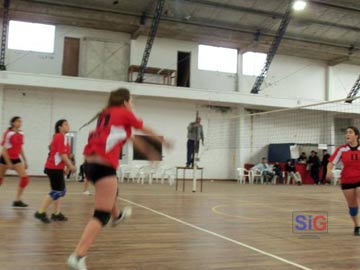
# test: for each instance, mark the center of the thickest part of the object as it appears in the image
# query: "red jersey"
(58, 146)
(13, 141)
(112, 131)
(350, 157)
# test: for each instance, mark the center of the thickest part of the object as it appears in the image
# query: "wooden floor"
(228, 226)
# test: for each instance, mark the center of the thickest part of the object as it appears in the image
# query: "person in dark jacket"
(292, 173)
(314, 163)
(324, 163)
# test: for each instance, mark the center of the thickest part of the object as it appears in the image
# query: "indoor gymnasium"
(180, 134)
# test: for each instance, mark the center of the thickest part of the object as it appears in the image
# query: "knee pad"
(56, 194)
(102, 216)
(24, 181)
(353, 211)
(1, 181)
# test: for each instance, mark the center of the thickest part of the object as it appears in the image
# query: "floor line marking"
(217, 235)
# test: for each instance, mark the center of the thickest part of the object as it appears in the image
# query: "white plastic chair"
(242, 173)
(256, 174)
(168, 174)
(145, 173)
(124, 172)
(274, 180)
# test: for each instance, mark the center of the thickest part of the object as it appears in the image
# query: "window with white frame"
(217, 59)
(253, 63)
(31, 37)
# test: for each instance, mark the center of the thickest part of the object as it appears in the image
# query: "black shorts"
(94, 171)
(57, 179)
(13, 161)
(350, 186)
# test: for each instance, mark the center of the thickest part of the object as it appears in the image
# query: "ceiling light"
(299, 5)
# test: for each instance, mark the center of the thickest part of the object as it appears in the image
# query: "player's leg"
(3, 169)
(105, 196)
(351, 196)
(24, 180)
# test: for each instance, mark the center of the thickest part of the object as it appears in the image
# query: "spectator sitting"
(292, 173)
(278, 172)
(302, 159)
(265, 170)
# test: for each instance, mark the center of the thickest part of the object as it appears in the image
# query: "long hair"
(58, 124)
(117, 98)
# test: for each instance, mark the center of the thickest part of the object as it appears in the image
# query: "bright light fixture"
(299, 5)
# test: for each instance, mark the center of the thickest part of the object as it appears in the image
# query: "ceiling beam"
(354, 90)
(272, 14)
(338, 60)
(69, 12)
(140, 31)
(326, 3)
(274, 47)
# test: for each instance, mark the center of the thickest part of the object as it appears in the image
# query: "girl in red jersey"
(349, 155)
(102, 153)
(57, 159)
(12, 150)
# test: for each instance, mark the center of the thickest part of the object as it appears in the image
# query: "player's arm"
(329, 174)
(68, 162)
(139, 125)
(6, 157)
(24, 158)
(145, 148)
(61, 148)
(157, 138)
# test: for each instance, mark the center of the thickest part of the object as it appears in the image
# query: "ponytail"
(117, 98)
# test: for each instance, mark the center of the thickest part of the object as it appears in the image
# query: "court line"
(216, 211)
(217, 235)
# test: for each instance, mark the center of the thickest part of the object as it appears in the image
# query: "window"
(253, 63)
(31, 37)
(217, 59)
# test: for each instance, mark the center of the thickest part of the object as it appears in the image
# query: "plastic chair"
(256, 174)
(124, 172)
(242, 174)
(145, 173)
(168, 174)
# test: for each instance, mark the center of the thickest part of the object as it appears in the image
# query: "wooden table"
(167, 74)
(183, 179)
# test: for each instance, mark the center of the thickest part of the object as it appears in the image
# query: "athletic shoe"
(42, 216)
(75, 263)
(20, 204)
(357, 231)
(58, 217)
(125, 213)
(86, 192)
(299, 183)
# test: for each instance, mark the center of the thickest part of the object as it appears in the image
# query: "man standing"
(324, 163)
(195, 133)
(314, 163)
